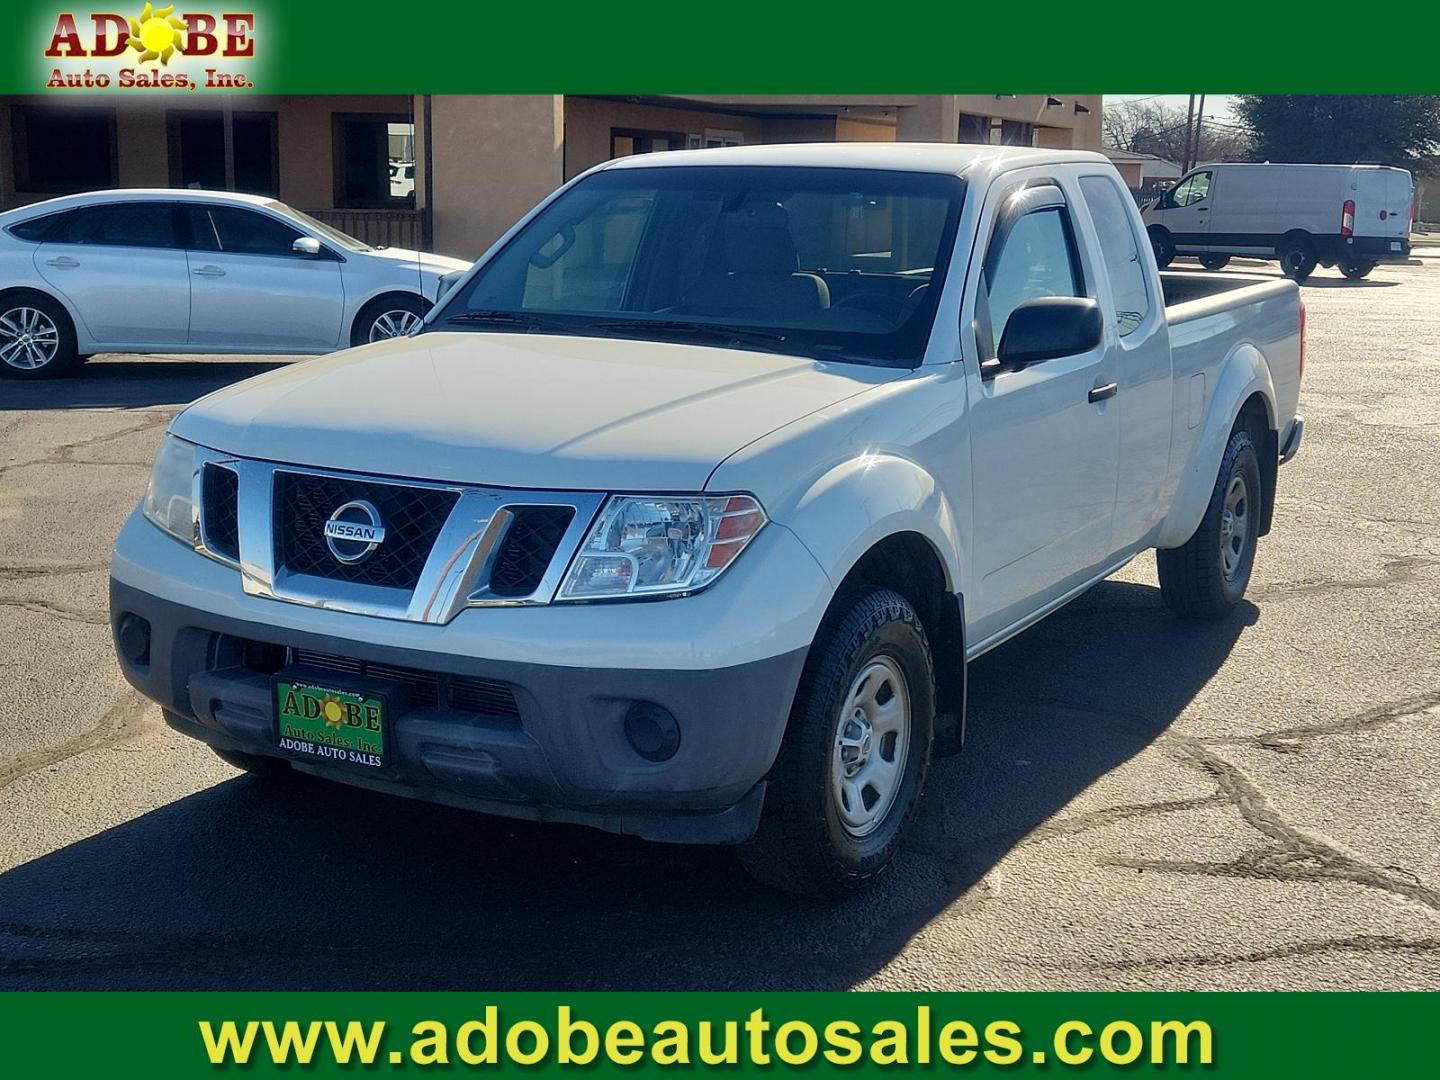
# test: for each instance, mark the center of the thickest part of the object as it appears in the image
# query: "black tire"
(14, 309)
(802, 845)
(392, 305)
(1196, 581)
(1214, 262)
(1297, 257)
(1356, 270)
(256, 764)
(1163, 247)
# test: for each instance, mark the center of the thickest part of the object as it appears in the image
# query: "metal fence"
(381, 228)
(1144, 195)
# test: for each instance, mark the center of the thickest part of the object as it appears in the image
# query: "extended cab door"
(1044, 437)
(119, 266)
(251, 291)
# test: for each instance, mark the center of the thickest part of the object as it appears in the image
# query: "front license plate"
(325, 724)
(1395, 245)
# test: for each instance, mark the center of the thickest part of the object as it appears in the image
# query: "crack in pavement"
(1398, 570)
(46, 607)
(1291, 739)
(27, 573)
(1368, 943)
(64, 454)
(121, 721)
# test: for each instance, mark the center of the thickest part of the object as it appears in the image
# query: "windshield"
(334, 235)
(836, 264)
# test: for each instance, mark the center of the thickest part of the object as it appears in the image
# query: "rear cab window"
(1120, 250)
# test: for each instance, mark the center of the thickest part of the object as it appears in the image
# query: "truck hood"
(517, 410)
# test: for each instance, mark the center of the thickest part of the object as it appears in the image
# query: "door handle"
(210, 271)
(1100, 393)
(64, 262)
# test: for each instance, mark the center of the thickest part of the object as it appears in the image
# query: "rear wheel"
(1163, 246)
(1214, 262)
(1356, 270)
(1297, 257)
(1206, 577)
(847, 782)
(37, 339)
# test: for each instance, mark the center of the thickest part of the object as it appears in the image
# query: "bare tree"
(1152, 127)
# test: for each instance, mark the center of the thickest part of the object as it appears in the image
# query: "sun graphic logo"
(156, 34)
(332, 711)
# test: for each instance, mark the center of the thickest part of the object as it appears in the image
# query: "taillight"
(1302, 339)
(1347, 218)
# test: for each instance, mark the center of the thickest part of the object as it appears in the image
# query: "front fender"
(859, 502)
(1243, 373)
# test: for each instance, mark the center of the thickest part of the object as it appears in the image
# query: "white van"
(1350, 216)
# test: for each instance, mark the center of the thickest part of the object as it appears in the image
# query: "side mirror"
(307, 246)
(448, 282)
(1049, 327)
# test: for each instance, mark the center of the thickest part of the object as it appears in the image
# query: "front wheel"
(1214, 262)
(388, 317)
(1163, 247)
(1356, 270)
(848, 779)
(1206, 577)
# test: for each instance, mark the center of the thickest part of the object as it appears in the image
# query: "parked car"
(1350, 216)
(687, 508)
(194, 271)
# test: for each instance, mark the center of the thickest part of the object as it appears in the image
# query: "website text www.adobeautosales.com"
(565, 1039)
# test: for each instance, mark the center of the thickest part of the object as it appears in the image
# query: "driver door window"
(1037, 259)
(1192, 189)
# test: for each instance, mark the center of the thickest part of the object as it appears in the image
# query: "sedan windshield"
(344, 240)
(836, 264)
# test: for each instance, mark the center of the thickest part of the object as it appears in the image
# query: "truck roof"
(953, 158)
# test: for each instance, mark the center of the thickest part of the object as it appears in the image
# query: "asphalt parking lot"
(1142, 804)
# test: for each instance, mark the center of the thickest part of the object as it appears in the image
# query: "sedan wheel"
(394, 324)
(29, 339)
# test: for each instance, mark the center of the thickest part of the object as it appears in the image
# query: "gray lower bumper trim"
(565, 759)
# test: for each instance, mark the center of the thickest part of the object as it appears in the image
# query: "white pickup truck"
(685, 510)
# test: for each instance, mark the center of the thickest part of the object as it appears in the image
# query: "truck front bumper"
(479, 727)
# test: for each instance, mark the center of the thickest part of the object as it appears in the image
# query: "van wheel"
(1214, 262)
(388, 317)
(1297, 258)
(1357, 270)
(1206, 577)
(37, 339)
(847, 783)
(1163, 246)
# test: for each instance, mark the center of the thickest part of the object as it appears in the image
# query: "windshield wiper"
(750, 335)
(512, 318)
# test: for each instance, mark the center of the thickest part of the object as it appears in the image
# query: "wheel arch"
(1244, 396)
(381, 295)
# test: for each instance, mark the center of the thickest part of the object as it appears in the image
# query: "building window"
(1016, 133)
(374, 152)
(60, 150)
(627, 141)
(974, 129)
(197, 151)
(721, 137)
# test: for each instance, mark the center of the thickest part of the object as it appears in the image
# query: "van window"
(1037, 260)
(1191, 190)
(1120, 248)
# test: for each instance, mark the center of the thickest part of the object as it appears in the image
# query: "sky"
(1217, 106)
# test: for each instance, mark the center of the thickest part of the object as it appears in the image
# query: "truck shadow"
(312, 885)
(133, 384)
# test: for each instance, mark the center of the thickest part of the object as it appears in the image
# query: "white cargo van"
(1350, 216)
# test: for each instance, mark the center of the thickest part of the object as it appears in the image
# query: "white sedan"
(143, 271)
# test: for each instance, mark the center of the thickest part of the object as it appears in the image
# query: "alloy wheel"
(29, 338)
(394, 324)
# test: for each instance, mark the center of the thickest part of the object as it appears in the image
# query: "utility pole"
(1199, 120)
(1189, 131)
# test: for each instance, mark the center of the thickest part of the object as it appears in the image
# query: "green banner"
(271, 46)
(1229, 1035)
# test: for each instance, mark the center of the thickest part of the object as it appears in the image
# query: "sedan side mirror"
(307, 246)
(1049, 327)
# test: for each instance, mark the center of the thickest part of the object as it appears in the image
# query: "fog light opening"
(653, 731)
(133, 638)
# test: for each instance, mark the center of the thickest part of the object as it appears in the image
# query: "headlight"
(656, 545)
(170, 495)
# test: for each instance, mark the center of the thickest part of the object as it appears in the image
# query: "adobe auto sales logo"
(156, 49)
